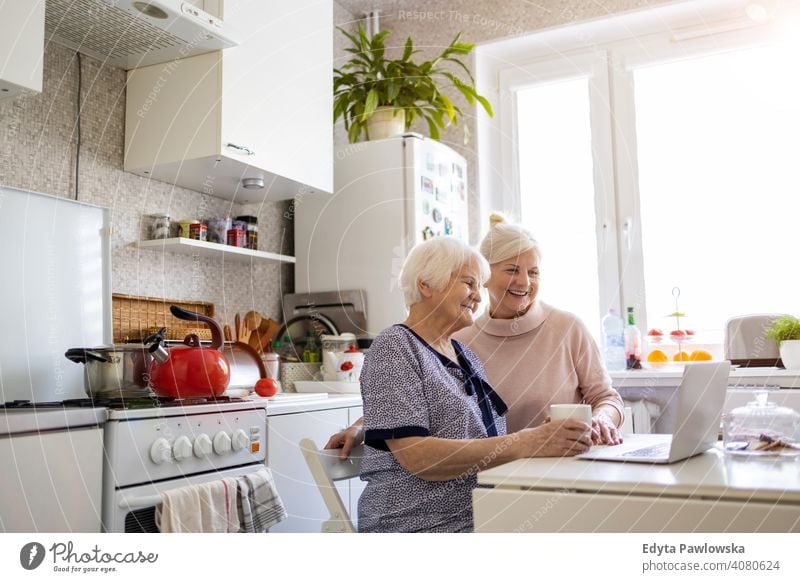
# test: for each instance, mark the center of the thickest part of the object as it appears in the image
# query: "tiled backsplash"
(38, 144)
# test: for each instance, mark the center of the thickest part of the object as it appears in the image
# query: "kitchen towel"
(260, 506)
(205, 508)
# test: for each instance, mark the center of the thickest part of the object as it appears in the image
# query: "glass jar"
(250, 224)
(762, 428)
(158, 226)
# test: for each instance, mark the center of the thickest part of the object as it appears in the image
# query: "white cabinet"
(21, 47)
(262, 109)
(293, 480)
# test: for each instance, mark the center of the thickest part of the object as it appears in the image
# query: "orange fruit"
(657, 357)
(681, 357)
(700, 356)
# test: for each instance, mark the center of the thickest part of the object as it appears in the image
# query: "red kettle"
(188, 370)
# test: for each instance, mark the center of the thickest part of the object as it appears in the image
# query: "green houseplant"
(370, 87)
(786, 331)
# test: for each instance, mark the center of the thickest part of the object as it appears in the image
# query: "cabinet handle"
(245, 150)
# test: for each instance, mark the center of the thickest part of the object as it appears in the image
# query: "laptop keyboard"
(660, 450)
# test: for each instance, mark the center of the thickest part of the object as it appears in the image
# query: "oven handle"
(139, 502)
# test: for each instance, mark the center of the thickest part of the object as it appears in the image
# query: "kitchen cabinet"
(293, 480)
(261, 110)
(21, 47)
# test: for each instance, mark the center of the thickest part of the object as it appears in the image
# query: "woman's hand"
(604, 431)
(346, 439)
(560, 438)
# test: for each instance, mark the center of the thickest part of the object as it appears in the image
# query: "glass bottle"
(613, 342)
(633, 343)
(311, 353)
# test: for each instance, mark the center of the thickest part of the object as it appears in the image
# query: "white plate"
(329, 387)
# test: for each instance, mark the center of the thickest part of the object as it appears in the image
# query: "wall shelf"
(189, 246)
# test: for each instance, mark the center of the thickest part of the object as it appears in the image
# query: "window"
(651, 164)
(557, 192)
(718, 143)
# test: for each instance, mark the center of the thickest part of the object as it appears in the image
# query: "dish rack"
(292, 372)
(134, 318)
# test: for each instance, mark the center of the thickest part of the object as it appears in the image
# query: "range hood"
(130, 34)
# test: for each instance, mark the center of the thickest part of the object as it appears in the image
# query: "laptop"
(701, 396)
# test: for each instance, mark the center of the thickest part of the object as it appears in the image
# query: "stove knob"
(240, 440)
(160, 451)
(182, 449)
(202, 446)
(222, 443)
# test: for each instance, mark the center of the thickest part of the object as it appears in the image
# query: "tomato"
(655, 331)
(689, 332)
(346, 366)
(266, 387)
(677, 333)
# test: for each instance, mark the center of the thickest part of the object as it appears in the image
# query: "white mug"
(582, 412)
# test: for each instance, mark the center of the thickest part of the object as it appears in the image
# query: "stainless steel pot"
(113, 372)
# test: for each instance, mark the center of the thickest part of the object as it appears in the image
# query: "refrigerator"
(388, 195)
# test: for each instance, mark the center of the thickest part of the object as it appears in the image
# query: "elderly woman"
(535, 355)
(431, 419)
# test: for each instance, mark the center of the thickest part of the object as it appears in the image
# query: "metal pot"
(113, 372)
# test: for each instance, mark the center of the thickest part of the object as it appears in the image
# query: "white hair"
(506, 240)
(434, 262)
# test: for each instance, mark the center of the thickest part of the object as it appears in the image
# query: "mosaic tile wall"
(433, 25)
(38, 145)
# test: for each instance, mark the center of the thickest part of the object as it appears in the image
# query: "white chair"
(327, 468)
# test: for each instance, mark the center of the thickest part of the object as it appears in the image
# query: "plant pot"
(386, 122)
(790, 354)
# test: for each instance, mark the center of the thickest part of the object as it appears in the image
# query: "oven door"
(133, 509)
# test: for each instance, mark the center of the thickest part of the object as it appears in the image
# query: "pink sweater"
(545, 357)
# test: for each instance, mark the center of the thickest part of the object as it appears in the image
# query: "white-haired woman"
(534, 354)
(431, 419)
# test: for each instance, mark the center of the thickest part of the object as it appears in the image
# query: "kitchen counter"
(669, 376)
(709, 492)
(289, 403)
(33, 421)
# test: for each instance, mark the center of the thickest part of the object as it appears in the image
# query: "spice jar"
(186, 224)
(251, 227)
(236, 237)
(198, 231)
(158, 226)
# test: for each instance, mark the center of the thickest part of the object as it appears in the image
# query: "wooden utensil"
(226, 331)
(237, 321)
(270, 327)
(253, 319)
(245, 335)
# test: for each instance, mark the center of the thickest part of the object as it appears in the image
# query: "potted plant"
(786, 331)
(383, 97)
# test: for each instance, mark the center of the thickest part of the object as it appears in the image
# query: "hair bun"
(496, 218)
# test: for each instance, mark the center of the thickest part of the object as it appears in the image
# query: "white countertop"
(670, 375)
(33, 420)
(289, 403)
(710, 475)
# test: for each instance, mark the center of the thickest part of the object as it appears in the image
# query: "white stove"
(151, 449)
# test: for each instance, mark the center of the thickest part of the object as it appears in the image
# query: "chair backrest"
(326, 468)
(746, 343)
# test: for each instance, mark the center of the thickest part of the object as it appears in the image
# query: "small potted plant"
(786, 331)
(382, 97)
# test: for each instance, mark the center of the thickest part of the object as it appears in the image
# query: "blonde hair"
(505, 240)
(434, 262)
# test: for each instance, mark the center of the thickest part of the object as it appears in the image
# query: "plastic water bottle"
(613, 341)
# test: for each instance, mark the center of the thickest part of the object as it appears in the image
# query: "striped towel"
(260, 506)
